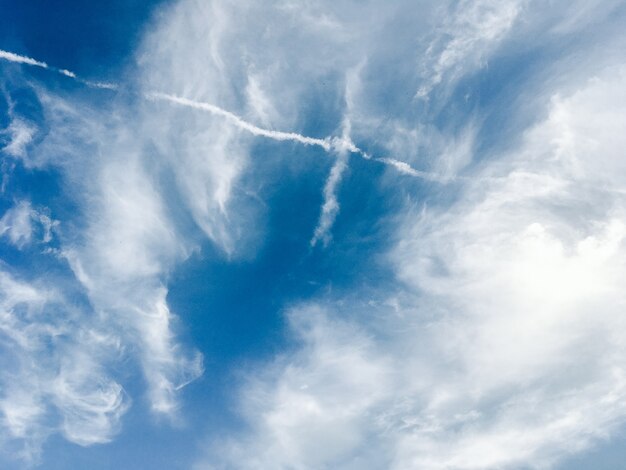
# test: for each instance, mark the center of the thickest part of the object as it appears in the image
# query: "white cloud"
(330, 208)
(52, 366)
(466, 35)
(579, 14)
(21, 135)
(16, 224)
(506, 346)
(22, 223)
(308, 409)
(524, 274)
(259, 102)
(138, 173)
(129, 245)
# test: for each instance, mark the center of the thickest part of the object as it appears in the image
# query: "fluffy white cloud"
(523, 278)
(313, 408)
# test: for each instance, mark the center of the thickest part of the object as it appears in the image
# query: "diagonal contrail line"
(329, 144)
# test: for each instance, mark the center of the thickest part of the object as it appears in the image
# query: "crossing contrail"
(335, 144)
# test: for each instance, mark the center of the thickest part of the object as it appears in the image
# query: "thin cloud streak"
(258, 131)
(407, 169)
(330, 208)
(20, 59)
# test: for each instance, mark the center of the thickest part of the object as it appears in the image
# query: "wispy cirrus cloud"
(464, 38)
(53, 375)
(21, 222)
(505, 345)
(16, 224)
(128, 244)
(498, 343)
(21, 134)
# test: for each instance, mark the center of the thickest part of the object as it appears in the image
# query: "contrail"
(343, 146)
(334, 144)
(407, 169)
(21, 59)
(330, 208)
(276, 135)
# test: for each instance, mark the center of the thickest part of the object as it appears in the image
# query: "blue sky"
(306, 235)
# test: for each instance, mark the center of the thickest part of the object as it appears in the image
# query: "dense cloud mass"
(495, 336)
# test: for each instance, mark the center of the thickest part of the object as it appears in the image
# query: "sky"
(313, 234)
